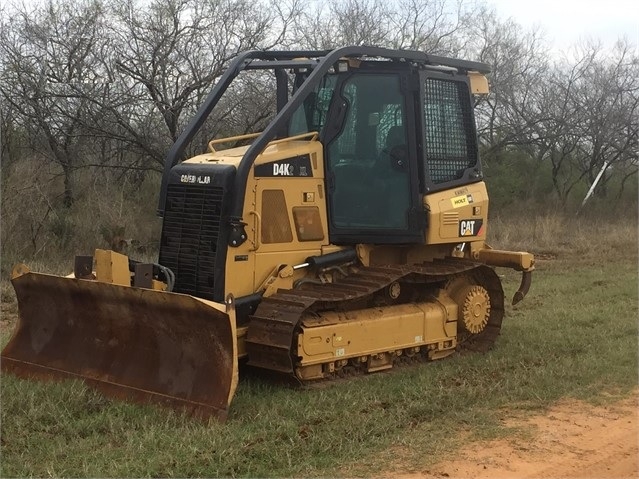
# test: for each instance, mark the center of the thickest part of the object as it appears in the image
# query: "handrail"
(257, 230)
(217, 141)
(312, 134)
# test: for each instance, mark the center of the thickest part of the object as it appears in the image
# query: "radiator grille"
(190, 237)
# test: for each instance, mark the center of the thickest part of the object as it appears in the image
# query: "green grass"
(574, 336)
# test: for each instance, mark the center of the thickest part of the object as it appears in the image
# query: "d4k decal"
(297, 166)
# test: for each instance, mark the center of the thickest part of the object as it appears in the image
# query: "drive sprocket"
(475, 308)
(480, 298)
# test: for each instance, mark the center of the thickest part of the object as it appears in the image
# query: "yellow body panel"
(344, 335)
(517, 260)
(457, 215)
(112, 267)
(478, 83)
(251, 264)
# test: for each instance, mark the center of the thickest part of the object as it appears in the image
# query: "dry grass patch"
(557, 235)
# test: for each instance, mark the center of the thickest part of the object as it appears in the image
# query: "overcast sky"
(566, 21)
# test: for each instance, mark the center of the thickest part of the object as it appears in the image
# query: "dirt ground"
(572, 440)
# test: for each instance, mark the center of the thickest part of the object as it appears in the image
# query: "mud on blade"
(130, 343)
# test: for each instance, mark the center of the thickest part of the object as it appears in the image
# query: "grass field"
(575, 336)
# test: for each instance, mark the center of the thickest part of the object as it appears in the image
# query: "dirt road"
(572, 440)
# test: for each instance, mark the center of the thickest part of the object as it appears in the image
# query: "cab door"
(371, 161)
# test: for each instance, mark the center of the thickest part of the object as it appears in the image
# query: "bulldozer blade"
(130, 343)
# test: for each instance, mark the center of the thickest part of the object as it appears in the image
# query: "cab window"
(368, 159)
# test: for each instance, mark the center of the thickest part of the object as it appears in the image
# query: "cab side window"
(450, 146)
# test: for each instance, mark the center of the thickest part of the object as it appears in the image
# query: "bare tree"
(112, 85)
(10, 135)
(429, 25)
(326, 25)
(49, 55)
(591, 125)
(433, 26)
(519, 65)
(609, 117)
(168, 54)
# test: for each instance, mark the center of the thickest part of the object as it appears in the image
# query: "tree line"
(108, 85)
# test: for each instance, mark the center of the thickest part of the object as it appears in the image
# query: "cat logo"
(471, 227)
(283, 169)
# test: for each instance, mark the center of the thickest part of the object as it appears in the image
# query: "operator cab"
(392, 132)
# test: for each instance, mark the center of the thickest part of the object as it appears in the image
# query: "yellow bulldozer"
(347, 237)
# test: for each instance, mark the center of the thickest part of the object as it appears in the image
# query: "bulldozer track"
(272, 332)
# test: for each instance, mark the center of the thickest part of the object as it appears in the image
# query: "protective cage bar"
(278, 60)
